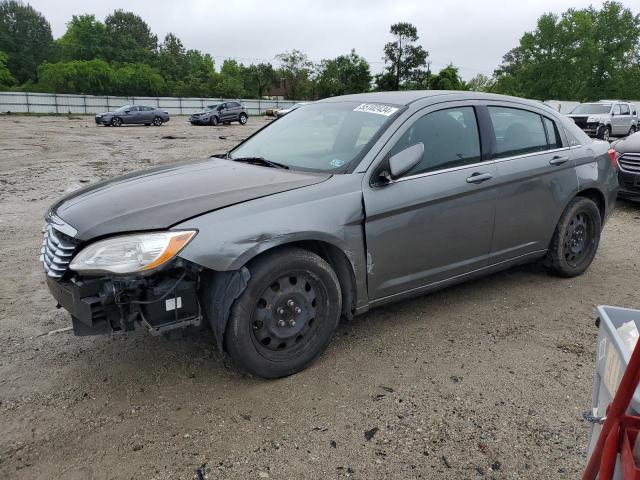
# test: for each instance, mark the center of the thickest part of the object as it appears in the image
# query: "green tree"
(480, 83)
(406, 59)
(130, 38)
(137, 79)
(344, 74)
(447, 79)
(172, 58)
(78, 76)
(85, 39)
(25, 36)
(580, 55)
(258, 78)
(6, 79)
(295, 71)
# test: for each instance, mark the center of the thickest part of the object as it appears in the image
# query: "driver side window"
(450, 138)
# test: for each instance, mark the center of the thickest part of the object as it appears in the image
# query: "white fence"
(25, 102)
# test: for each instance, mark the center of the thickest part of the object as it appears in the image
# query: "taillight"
(613, 157)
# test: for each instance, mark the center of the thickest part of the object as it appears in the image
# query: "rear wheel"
(632, 130)
(576, 238)
(286, 316)
(116, 122)
(243, 119)
(157, 121)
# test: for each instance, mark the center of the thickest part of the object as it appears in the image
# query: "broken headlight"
(131, 253)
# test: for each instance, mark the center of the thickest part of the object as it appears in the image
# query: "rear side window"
(552, 133)
(517, 132)
(450, 138)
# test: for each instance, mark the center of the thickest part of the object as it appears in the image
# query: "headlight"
(131, 253)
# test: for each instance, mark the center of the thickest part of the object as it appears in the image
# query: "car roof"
(407, 97)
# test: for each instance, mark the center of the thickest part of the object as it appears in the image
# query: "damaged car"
(346, 204)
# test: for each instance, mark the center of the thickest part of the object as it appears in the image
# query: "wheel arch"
(597, 197)
(333, 254)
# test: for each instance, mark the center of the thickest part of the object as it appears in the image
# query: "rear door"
(536, 179)
(625, 119)
(234, 110)
(147, 114)
(436, 221)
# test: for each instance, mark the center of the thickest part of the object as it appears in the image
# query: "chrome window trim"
(479, 164)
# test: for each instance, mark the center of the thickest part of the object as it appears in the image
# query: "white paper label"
(376, 108)
(170, 304)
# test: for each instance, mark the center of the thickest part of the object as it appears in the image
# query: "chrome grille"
(56, 251)
(630, 162)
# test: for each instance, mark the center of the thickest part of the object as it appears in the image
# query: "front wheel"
(214, 120)
(243, 119)
(116, 122)
(157, 121)
(286, 316)
(604, 133)
(576, 238)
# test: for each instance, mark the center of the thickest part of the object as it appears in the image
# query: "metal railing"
(29, 102)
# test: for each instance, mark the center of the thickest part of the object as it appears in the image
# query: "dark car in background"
(343, 205)
(628, 156)
(133, 114)
(224, 113)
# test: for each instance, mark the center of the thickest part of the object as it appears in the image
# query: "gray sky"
(472, 34)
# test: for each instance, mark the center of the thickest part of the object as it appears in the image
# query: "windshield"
(592, 108)
(211, 107)
(123, 108)
(320, 137)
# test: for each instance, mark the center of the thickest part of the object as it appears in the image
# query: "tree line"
(581, 54)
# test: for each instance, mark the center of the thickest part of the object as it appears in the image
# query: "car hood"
(631, 144)
(164, 196)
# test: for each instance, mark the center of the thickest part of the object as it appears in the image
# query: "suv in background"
(606, 118)
(225, 112)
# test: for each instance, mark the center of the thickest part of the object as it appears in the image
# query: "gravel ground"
(484, 380)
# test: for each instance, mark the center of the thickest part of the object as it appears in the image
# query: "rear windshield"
(592, 108)
(322, 137)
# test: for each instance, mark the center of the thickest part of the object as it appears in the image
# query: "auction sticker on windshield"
(377, 108)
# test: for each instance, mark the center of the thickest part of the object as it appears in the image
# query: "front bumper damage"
(102, 305)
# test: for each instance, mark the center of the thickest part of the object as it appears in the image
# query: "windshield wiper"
(260, 161)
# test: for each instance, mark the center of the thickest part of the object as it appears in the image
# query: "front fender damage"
(219, 291)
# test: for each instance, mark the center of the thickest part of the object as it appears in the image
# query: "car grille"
(56, 251)
(580, 121)
(630, 162)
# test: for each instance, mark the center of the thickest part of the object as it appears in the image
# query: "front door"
(435, 222)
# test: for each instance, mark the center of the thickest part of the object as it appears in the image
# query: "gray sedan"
(133, 114)
(338, 207)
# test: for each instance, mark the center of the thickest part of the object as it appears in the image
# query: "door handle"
(479, 177)
(557, 160)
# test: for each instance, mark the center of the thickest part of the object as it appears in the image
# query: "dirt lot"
(484, 380)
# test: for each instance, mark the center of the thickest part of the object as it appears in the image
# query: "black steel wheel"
(576, 238)
(116, 122)
(157, 121)
(286, 316)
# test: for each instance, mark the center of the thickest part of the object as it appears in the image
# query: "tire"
(157, 121)
(286, 316)
(147, 124)
(242, 119)
(213, 120)
(632, 130)
(116, 122)
(605, 134)
(576, 238)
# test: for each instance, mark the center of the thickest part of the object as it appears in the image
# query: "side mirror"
(127, 111)
(404, 161)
